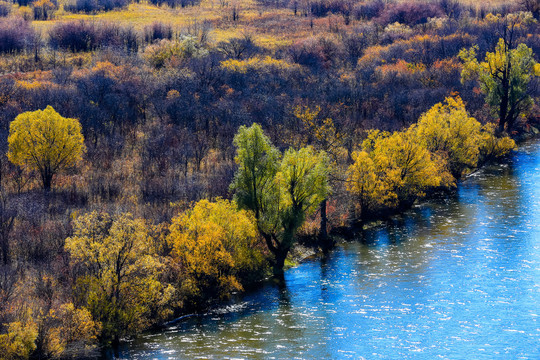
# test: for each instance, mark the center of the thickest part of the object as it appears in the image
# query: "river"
(456, 277)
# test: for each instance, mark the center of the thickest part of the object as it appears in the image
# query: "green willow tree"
(504, 78)
(280, 193)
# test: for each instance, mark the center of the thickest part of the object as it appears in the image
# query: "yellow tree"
(119, 272)
(217, 247)
(493, 147)
(45, 141)
(394, 170)
(408, 168)
(504, 78)
(368, 188)
(19, 340)
(447, 129)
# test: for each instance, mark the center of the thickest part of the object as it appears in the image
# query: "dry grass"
(270, 27)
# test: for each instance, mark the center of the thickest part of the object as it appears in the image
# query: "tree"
(119, 281)
(323, 134)
(533, 6)
(302, 183)
(19, 341)
(448, 130)
(493, 147)
(280, 194)
(7, 218)
(217, 247)
(408, 168)
(45, 141)
(368, 188)
(504, 78)
(258, 162)
(393, 170)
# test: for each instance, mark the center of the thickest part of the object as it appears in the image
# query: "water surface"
(454, 278)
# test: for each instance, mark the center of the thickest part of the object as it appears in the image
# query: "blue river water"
(456, 277)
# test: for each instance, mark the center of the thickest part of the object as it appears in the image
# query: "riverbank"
(302, 253)
(393, 294)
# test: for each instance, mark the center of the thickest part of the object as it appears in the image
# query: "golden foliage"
(320, 132)
(214, 242)
(493, 147)
(395, 169)
(257, 64)
(45, 141)
(75, 329)
(19, 341)
(448, 129)
(121, 285)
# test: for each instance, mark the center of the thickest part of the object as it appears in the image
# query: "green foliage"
(281, 194)
(504, 78)
(217, 247)
(258, 162)
(45, 141)
(302, 183)
(120, 284)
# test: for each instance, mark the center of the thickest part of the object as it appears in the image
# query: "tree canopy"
(120, 271)
(504, 78)
(280, 193)
(218, 247)
(45, 141)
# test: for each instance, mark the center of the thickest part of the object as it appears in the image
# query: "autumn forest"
(157, 157)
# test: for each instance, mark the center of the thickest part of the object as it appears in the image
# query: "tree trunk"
(46, 178)
(5, 251)
(325, 241)
(279, 264)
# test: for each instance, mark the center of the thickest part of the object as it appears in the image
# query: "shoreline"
(302, 253)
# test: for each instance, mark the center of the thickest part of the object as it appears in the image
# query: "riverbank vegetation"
(157, 157)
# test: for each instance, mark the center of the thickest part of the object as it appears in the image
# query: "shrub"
(321, 8)
(175, 3)
(15, 35)
(316, 53)
(5, 8)
(158, 55)
(409, 13)
(90, 6)
(157, 31)
(112, 35)
(84, 36)
(74, 36)
(368, 10)
(452, 8)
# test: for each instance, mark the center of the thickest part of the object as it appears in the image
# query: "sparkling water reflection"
(456, 278)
